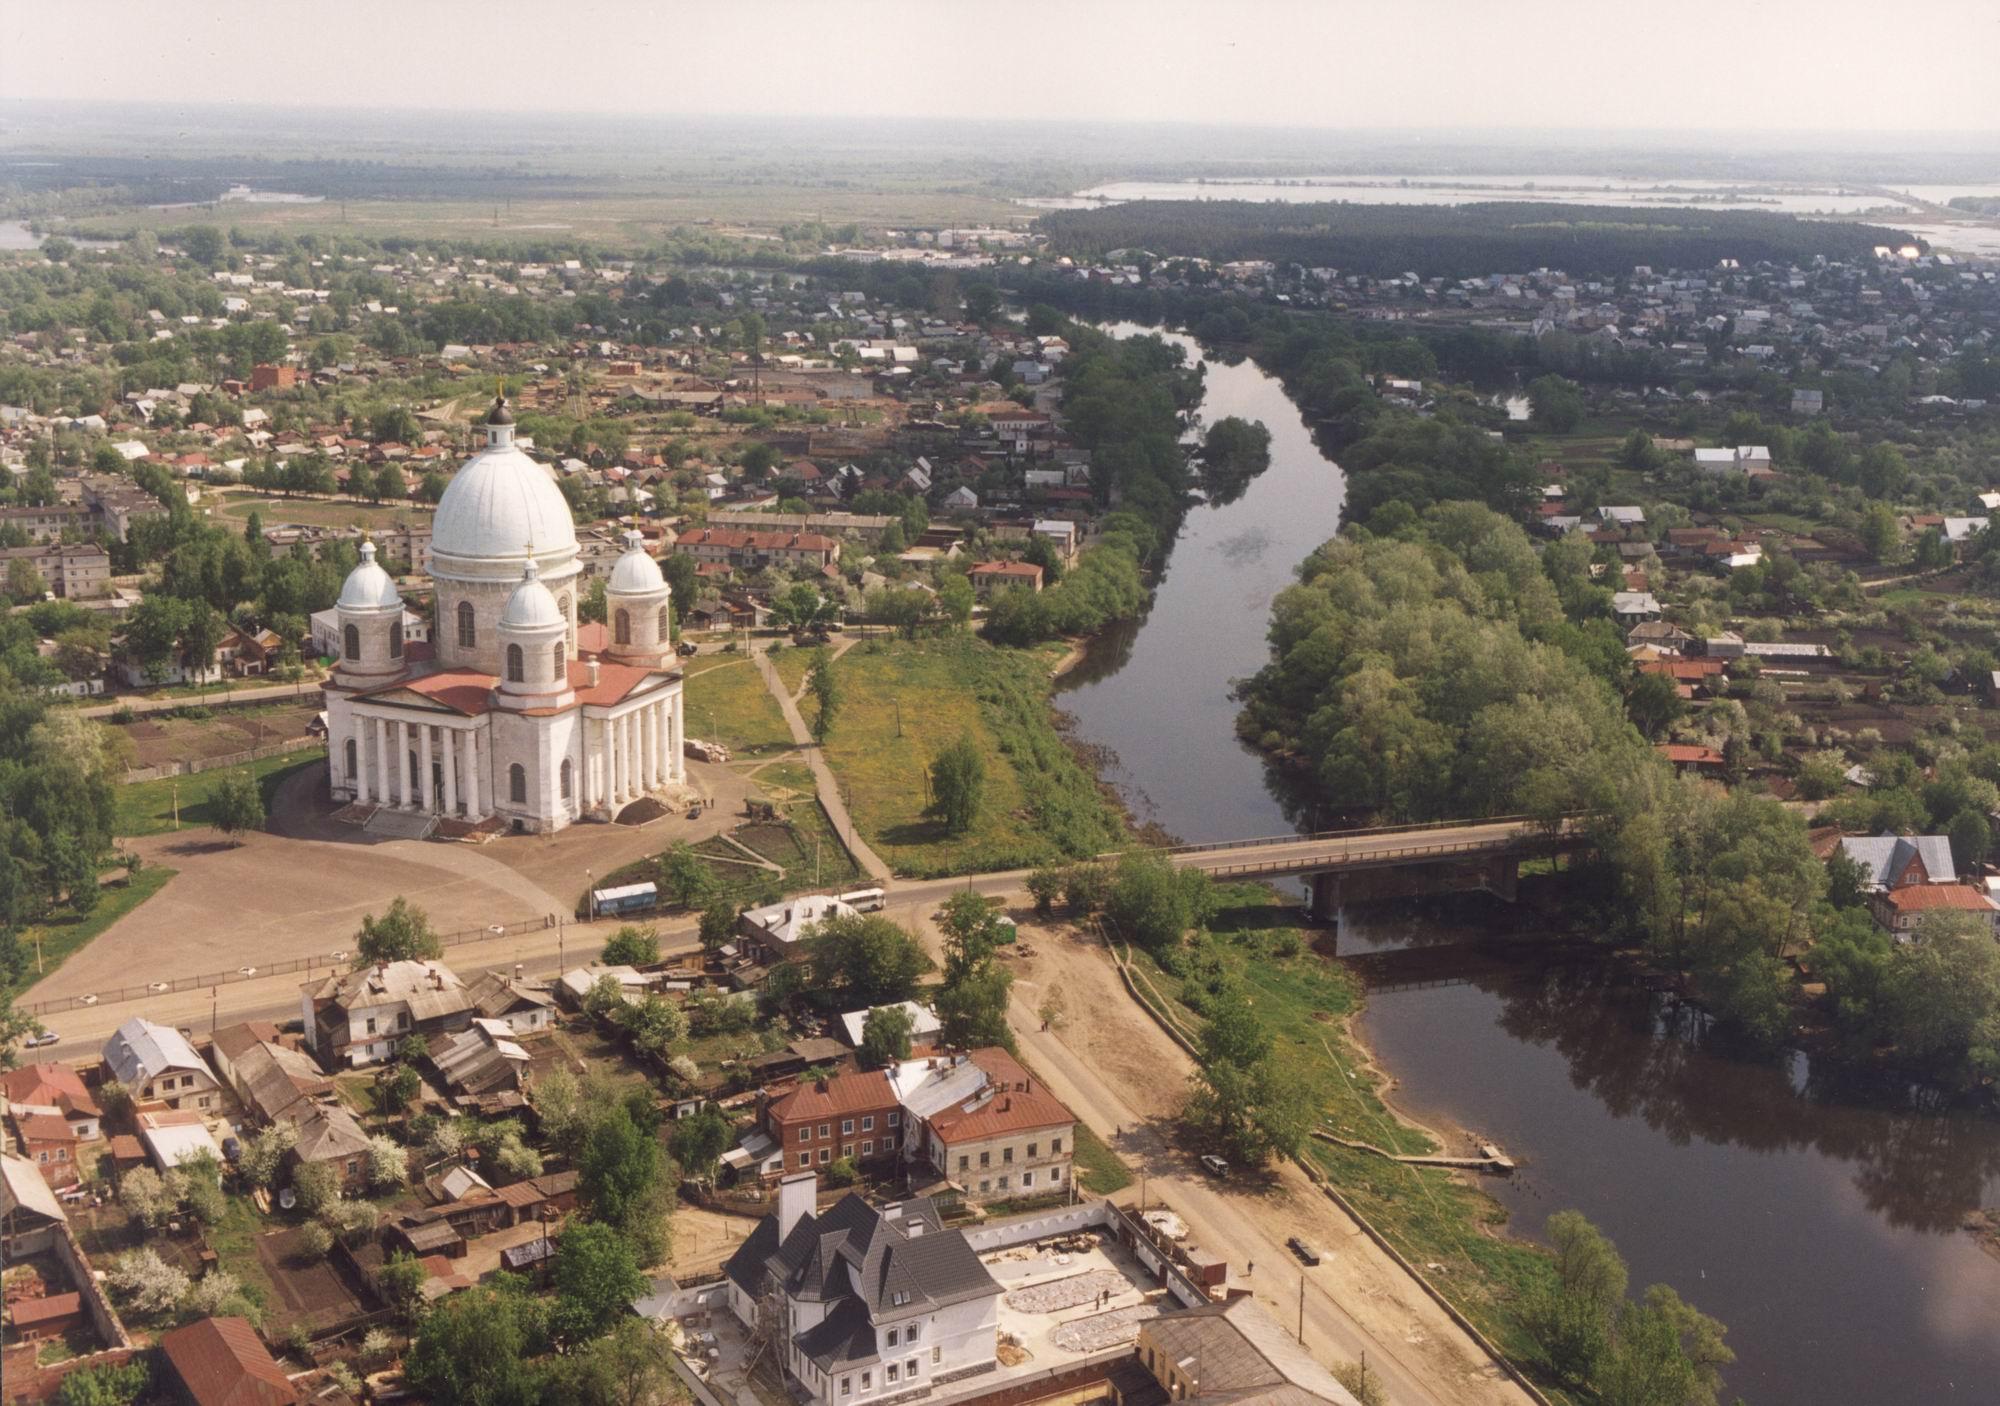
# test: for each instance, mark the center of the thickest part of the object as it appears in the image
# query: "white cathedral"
(509, 719)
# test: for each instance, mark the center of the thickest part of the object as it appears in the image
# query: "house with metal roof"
(359, 1018)
(156, 1064)
(1890, 861)
(29, 1211)
(1231, 1352)
(222, 1362)
(864, 1303)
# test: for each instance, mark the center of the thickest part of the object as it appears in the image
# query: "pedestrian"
(1253, 1266)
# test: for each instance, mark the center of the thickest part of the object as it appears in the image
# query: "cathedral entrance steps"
(393, 824)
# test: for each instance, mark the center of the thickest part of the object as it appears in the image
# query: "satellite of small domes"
(500, 721)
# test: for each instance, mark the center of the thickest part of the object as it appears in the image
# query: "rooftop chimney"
(593, 672)
(797, 1195)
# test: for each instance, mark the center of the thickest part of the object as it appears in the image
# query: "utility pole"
(1302, 1308)
(177, 801)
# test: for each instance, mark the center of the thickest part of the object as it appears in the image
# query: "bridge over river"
(1390, 861)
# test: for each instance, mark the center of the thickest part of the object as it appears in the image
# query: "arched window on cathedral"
(565, 778)
(350, 641)
(624, 622)
(516, 669)
(561, 661)
(569, 621)
(353, 760)
(396, 640)
(517, 784)
(466, 633)
(666, 626)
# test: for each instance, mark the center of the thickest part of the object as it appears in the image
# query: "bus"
(626, 898)
(865, 900)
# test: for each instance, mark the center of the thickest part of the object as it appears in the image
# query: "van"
(1214, 1165)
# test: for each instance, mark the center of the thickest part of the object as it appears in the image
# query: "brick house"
(853, 1115)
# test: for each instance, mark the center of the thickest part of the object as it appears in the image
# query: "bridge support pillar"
(1324, 905)
(1502, 878)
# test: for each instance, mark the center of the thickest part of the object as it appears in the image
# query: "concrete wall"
(1037, 1225)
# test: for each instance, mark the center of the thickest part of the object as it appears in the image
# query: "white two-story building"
(865, 1303)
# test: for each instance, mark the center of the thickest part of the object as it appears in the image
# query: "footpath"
(823, 782)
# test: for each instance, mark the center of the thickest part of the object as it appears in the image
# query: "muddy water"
(1820, 1221)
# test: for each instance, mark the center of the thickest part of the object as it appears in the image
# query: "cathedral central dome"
(499, 503)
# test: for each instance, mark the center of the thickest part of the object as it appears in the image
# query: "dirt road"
(1120, 1073)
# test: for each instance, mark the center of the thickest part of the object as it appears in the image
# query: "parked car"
(686, 647)
(47, 1037)
(1214, 1165)
(1307, 1253)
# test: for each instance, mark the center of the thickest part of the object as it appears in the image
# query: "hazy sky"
(1814, 65)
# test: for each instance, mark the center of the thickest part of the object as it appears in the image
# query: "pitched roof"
(1886, 857)
(1236, 1352)
(142, 1050)
(22, 1188)
(328, 1133)
(1011, 1102)
(431, 983)
(49, 1086)
(1927, 898)
(853, 1092)
(222, 1362)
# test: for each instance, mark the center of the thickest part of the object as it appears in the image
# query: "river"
(1821, 1225)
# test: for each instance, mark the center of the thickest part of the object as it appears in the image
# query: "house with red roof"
(222, 1362)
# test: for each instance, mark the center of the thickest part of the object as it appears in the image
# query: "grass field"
(1432, 1218)
(1098, 1169)
(147, 807)
(904, 702)
(320, 512)
(728, 703)
(58, 938)
(624, 221)
(804, 847)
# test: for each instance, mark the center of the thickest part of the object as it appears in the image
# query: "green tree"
(654, 1024)
(686, 876)
(1570, 1315)
(237, 805)
(698, 1142)
(596, 1280)
(1555, 404)
(631, 1365)
(825, 689)
(475, 1348)
(1153, 904)
(958, 785)
(632, 947)
(621, 1174)
(982, 301)
(1942, 997)
(718, 925)
(403, 934)
(24, 583)
(862, 959)
(114, 1384)
(402, 1280)
(1878, 531)
(885, 1036)
(1654, 703)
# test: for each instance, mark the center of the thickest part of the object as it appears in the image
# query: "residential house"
(520, 1007)
(1005, 1136)
(480, 1061)
(30, 1215)
(360, 1017)
(866, 1303)
(50, 1142)
(1688, 757)
(1633, 606)
(172, 1136)
(1900, 910)
(854, 1115)
(156, 1064)
(71, 570)
(329, 1134)
(268, 1078)
(1065, 536)
(774, 931)
(1890, 861)
(222, 1362)
(52, 1088)
(990, 576)
(754, 550)
(1232, 1353)
(924, 1024)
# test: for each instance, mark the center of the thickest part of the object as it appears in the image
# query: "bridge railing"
(1306, 859)
(1364, 832)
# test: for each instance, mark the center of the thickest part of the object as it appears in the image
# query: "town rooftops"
(923, 1022)
(737, 539)
(852, 1092)
(430, 989)
(1236, 1352)
(789, 921)
(142, 1050)
(49, 1086)
(1011, 1102)
(1930, 898)
(1887, 860)
(328, 1133)
(22, 1189)
(222, 1362)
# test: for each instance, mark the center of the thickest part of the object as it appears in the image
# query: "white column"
(448, 744)
(424, 791)
(676, 744)
(662, 735)
(649, 749)
(621, 783)
(473, 809)
(586, 779)
(382, 761)
(635, 753)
